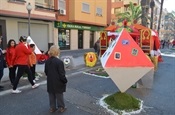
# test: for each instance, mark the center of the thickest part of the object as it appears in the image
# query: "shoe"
(16, 91)
(35, 86)
(1, 87)
(34, 81)
(52, 110)
(62, 109)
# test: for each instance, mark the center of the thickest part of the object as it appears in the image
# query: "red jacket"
(22, 54)
(10, 56)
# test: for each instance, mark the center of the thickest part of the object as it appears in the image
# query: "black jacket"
(1, 60)
(55, 72)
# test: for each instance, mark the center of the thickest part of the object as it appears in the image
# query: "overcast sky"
(169, 5)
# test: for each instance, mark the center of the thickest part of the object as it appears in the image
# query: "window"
(117, 56)
(118, 0)
(99, 11)
(85, 7)
(23, 1)
(44, 4)
(117, 10)
(64, 38)
(62, 4)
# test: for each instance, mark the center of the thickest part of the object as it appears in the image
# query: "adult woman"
(10, 58)
(22, 51)
(56, 80)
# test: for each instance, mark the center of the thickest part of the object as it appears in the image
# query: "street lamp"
(152, 5)
(29, 8)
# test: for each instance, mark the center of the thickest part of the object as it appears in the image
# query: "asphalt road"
(84, 91)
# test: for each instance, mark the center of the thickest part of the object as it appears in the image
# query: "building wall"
(19, 9)
(86, 36)
(77, 15)
(109, 7)
(15, 15)
(60, 17)
(75, 20)
(40, 31)
(74, 39)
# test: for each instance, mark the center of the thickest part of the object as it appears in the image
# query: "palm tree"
(132, 15)
(152, 4)
(145, 9)
(161, 8)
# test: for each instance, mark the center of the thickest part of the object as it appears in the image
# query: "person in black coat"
(2, 63)
(56, 79)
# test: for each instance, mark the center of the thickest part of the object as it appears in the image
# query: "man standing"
(97, 47)
(2, 52)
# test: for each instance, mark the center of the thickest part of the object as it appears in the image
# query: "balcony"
(133, 1)
(44, 5)
(117, 4)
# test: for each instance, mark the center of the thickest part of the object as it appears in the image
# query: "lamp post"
(29, 8)
(152, 5)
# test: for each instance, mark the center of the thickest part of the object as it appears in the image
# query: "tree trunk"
(145, 10)
(152, 5)
(161, 7)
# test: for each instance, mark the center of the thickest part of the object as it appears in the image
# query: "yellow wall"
(91, 17)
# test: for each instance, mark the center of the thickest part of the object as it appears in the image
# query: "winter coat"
(22, 54)
(10, 56)
(55, 72)
(1, 60)
(32, 59)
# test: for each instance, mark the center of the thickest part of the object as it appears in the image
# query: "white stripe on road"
(20, 88)
(29, 86)
(168, 55)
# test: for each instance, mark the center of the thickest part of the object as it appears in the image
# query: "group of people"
(167, 43)
(19, 57)
(22, 56)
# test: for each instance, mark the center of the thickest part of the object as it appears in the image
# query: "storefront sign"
(77, 26)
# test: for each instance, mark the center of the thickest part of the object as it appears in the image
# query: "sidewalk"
(78, 56)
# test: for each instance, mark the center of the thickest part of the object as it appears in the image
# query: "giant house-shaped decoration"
(125, 62)
(30, 41)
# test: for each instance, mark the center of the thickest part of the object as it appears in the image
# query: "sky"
(169, 5)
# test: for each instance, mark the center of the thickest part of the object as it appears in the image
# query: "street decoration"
(30, 41)
(68, 61)
(41, 57)
(90, 59)
(125, 62)
(146, 38)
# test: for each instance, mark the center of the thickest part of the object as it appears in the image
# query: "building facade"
(14, 21)
(79, 22)
(71, 24)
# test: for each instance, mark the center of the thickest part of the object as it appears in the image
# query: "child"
(32, 62)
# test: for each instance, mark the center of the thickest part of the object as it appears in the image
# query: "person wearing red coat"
(22, 62)
(10, 58)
